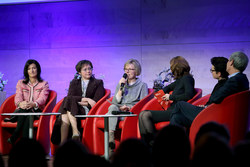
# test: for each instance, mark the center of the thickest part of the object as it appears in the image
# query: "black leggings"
(147, 119)
(22, 124)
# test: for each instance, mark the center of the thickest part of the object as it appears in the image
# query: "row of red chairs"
(233, 112)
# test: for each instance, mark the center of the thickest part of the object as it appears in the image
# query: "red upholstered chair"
(41, 126)
(202, 101)
(154, 105)
(53, 147)
(87, 138)
(233, 112)
(127, 127)
(86, 124)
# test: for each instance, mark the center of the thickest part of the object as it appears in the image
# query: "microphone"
(121, 112)
(123, 84)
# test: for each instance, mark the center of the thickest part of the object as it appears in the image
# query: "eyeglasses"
(128, 69)
(212, 70)
(87, 69)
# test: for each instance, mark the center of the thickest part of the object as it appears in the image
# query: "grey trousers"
(113, 121)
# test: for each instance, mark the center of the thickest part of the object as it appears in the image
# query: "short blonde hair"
(136, 64)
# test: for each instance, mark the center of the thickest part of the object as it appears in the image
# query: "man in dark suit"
(184, 113)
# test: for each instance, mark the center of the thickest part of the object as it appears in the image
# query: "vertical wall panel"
(14, 29)
(85, 24)
(11, 65)
(196, 21)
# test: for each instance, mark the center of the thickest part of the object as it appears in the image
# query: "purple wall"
(108, 33)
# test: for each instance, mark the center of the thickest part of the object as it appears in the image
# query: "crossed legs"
(69, 119)
(147, 119)
(146, 126)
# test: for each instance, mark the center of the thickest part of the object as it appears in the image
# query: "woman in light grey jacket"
(129, 91)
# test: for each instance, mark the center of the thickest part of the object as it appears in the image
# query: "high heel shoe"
(76, 137)
(11, 141)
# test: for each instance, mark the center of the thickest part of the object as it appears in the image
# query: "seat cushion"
(100, 124)
(161, 125)
(13, 125)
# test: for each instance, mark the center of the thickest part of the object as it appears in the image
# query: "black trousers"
(184, 114)
(23, 123)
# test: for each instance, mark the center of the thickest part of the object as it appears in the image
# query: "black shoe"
(11, 141)
(111, 153)
(11, 119)
(151, 143)
(112, 145)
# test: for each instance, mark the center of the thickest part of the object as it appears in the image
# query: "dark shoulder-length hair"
(25, 70)
(179, 67)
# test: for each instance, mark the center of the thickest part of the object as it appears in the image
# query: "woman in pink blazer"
(31, 96)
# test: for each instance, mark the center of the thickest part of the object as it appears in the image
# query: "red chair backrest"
(99, 122)
(137, 108)
(43, 135)
(202, 101)
(154, 105)
(130, 123)
(87, 136)
(86, 123)
(8, 106)
(233, 112)
(196, 96)
(99, 103)
(42, 124)
(51, 101)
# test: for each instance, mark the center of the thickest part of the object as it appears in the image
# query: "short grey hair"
(136, 64)
(240, 60)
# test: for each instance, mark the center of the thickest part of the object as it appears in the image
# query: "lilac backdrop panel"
(11, 64)
(14, 31)
(110, 32)
(85, 24)
(196, 21)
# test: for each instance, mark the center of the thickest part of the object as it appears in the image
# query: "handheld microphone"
(125, 77)
(121, 112)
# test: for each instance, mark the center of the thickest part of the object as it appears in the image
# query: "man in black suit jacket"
(184, 113)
